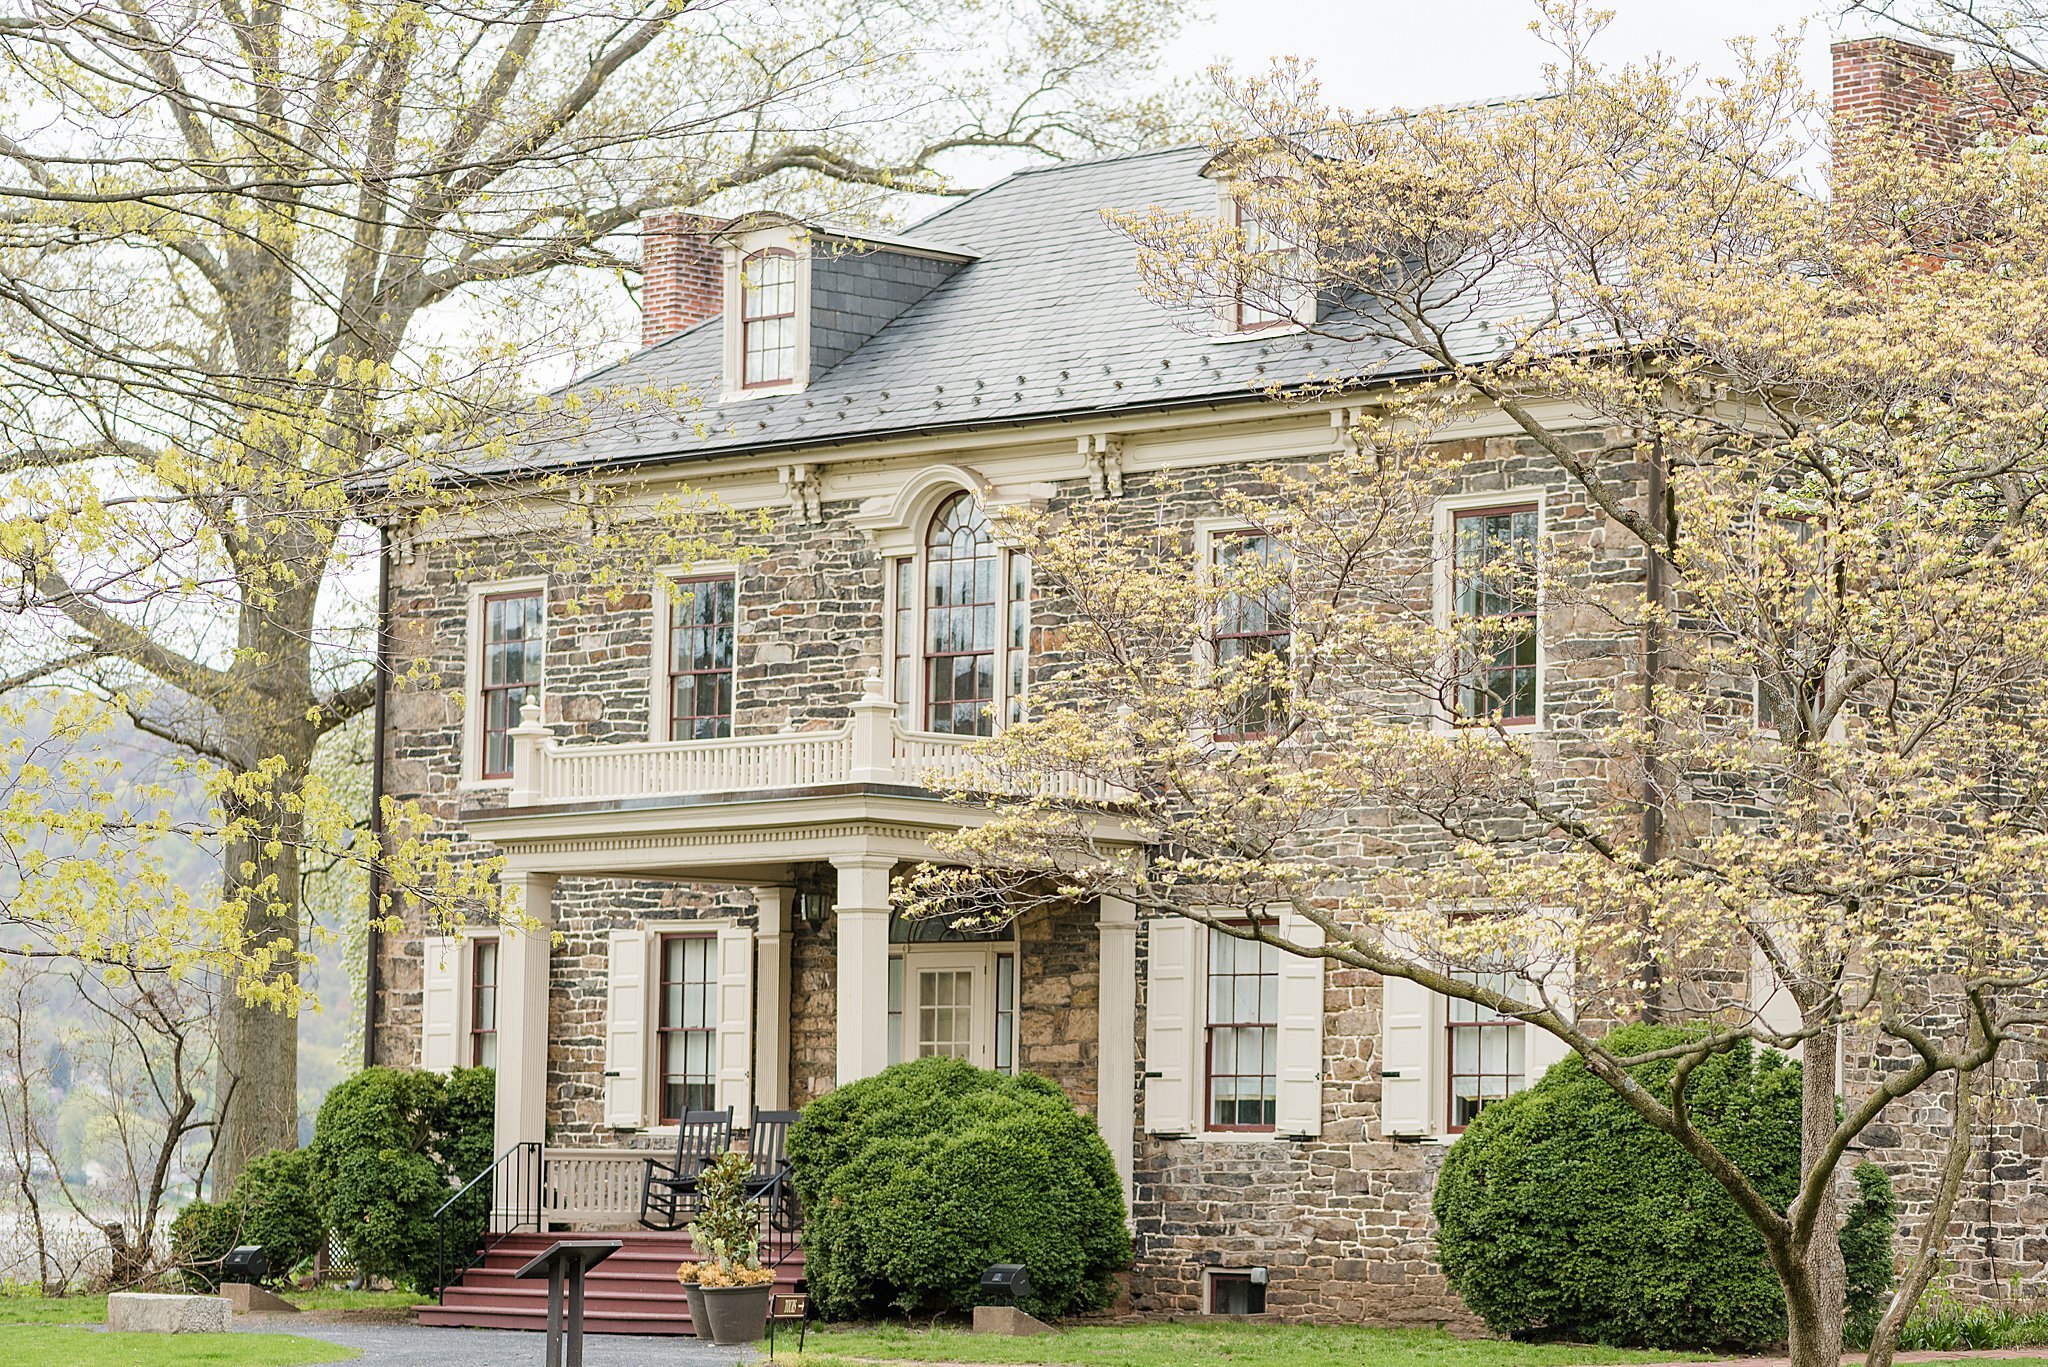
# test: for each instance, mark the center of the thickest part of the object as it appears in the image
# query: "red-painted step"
(632, 1292)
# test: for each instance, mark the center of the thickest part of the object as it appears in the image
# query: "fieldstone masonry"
(1342, 1222)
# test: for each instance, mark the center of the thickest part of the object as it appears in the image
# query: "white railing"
(870, 747)
(592, 1186)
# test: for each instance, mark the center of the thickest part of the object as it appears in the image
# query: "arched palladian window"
(767, 318)
(962, 626)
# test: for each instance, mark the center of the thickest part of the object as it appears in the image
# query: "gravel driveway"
(410, 1345)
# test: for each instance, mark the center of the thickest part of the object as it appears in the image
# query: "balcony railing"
(869, 747)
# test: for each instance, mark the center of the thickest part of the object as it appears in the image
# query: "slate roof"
(1047, 323)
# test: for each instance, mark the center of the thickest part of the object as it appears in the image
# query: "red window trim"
(1209, 1028)
(662, 1029)
(746, 380)
(1000, 584)
(670, 673)
(1278, 705)
(476, 1032)
(1533, 613)
(485, 688)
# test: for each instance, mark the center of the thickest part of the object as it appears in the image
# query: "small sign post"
(563, 1265)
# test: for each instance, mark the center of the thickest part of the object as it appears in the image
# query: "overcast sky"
(1377, 53)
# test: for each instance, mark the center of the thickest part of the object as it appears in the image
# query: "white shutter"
(1409, 1082)
(1541, 1049)
(1169, 1025)
(736, 1022)
(1299, 1104)
(440, 1001)
(625, 1030)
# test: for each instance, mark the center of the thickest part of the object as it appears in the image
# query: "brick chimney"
(682, 273)
(1885, 87)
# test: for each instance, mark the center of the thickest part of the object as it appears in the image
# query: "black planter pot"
(734, 1314)
(695, 1295)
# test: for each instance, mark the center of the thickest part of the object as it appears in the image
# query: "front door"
(948, 1006)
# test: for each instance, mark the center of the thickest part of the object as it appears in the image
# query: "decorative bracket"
(800, 483)
(1344, 430)
(1103, 454)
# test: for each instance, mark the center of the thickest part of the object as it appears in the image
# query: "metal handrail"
(781, 1223)
(522, 1166)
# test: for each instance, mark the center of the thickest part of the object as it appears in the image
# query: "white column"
(1116, 1063)
(771, 998)
(523, 1014)
(862, 989)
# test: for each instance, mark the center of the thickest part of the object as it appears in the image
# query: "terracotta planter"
(695, 1295)
(735, 1314)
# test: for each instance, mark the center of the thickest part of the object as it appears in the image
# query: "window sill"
(484, 785)
(1264, 334)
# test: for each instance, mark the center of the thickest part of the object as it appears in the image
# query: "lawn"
(85, 1348)
(1178, 1345)
(93, 1309)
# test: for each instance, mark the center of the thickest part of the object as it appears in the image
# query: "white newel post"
(874, 718)
(523, 1016)
(1116, 1065)
(771, 998)
(862, 990)
(527, 740)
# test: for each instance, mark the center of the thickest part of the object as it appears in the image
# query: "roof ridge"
(1054, 168)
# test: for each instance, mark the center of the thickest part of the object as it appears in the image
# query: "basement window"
(1240, 1292)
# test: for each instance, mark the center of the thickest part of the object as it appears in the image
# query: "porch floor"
(632, 1292)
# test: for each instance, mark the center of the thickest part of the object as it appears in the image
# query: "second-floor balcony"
(870, 748)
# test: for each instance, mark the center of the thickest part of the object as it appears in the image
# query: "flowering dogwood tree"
(1812, 602)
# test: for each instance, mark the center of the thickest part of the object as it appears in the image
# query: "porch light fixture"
(814, 905)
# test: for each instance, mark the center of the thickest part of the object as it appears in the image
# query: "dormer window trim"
(744, 247)
(1231, 312)
(753, 292)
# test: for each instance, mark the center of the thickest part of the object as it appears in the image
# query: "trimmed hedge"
(1561, 1213)
(389, 1146)
(915, 1180)
(272, 1204)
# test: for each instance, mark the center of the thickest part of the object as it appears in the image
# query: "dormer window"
(768, 318)
(1265, 277)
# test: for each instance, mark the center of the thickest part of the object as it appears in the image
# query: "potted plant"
(728, 1288)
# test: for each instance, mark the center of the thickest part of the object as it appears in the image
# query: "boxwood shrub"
(272, 1204)
(915, 1180)
(1561, 1213)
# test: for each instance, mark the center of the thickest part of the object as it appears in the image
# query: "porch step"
(632, 1292)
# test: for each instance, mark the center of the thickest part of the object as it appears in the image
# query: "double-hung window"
(511, 663)
(1494, 602)
(1253, 633)
(1243, 1075)
(962, 626)
(483, 1002)
(701, 632)
(768, 318)
(1487, 1050)
(687, 1025)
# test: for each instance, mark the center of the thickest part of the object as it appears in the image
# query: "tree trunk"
(1884, 1341)
(259, 1042)
(1818, 1284)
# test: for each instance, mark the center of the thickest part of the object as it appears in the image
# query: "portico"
(798, 819)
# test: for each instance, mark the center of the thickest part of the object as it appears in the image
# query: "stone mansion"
(705, 796)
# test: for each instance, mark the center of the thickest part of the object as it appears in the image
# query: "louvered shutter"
(1408, 1059)
(736, 1022)
(440, 1002)
(1169, 1026)
(1299, 1103)
(625, 1030)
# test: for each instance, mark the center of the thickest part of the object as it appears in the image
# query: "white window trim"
(666, 578)
(778, 237)
(472, 779)
(1198, 1066)
(465, 985)
(1208, 531)
(650, 1013)
(1443, 536)
(1226, 329)
(988, 950)
(929, 502)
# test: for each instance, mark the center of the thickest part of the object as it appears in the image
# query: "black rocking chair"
(767, 1145)
(668, 1192)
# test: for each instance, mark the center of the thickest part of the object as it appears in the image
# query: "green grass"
(1180, 1345)
(93, 1309)
(84, 1348)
